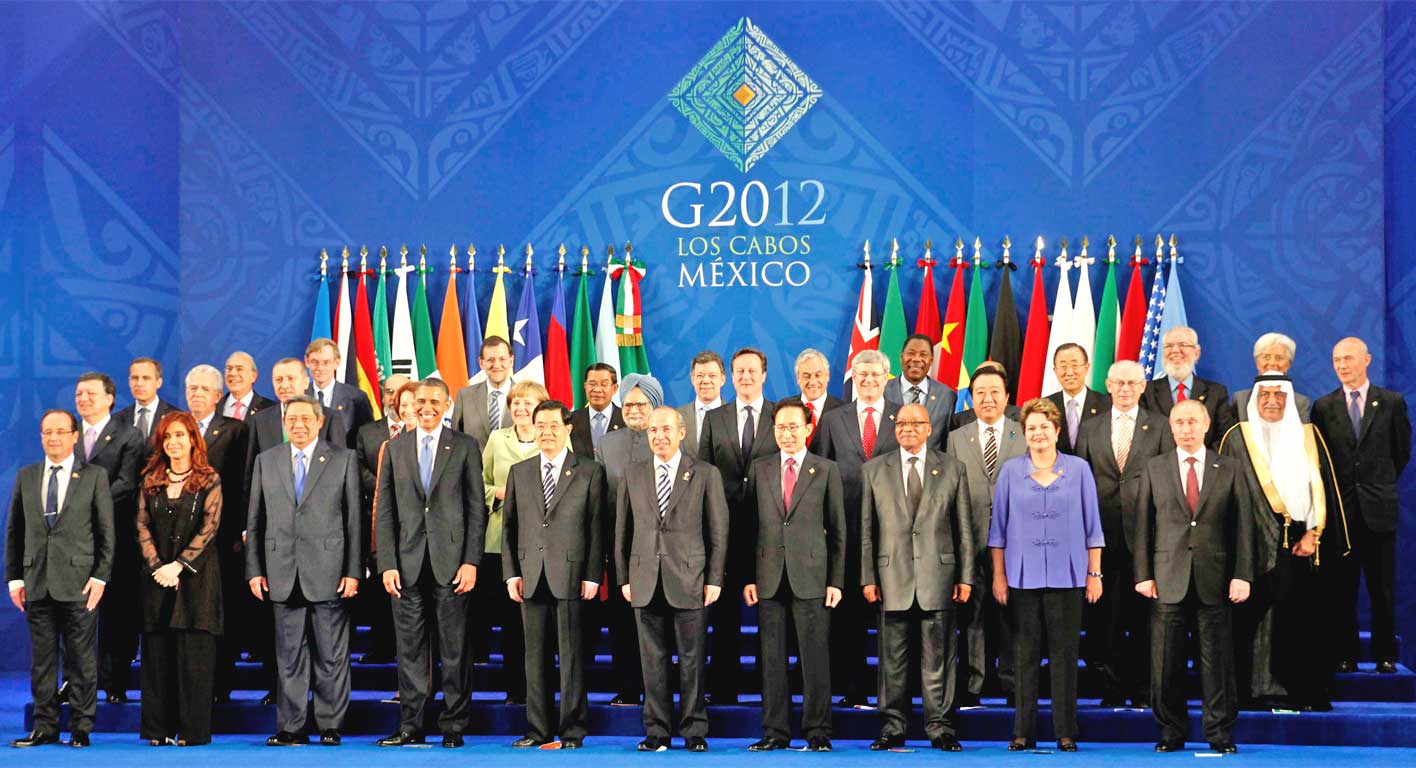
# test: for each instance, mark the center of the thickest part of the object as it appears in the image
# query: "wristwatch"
(1094, 574)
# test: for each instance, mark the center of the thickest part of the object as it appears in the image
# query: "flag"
(451, 352)
(383, 346)
(927, 319)
(1061, 332)
(1150, 335)
(320, 328)
(582, 334)
(975, 327)
(864, 333)
(343, 323)
(526, 333)
(629, 318)
(496, 312)
(1034, 360)
(893, 327)
(1133, 317)
(366, 370)
(606, 350)
(402, 352)
(423, 326)
(1104, 342)
(472, 322)
(1083, 311)
(557, 351)
(951, 336)
(1007, 345)
(1172, 305)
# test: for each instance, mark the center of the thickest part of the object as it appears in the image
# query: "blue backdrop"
(169, 171)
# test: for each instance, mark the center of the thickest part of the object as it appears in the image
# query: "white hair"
(1269, 339)
(206, 370)
(1125, 366)
(808, 354)
(872, 357)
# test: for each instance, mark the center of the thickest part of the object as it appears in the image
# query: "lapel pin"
(76, 475)
(687, 475)
(933, 397)
(1216, 466)
(1145, 427)
(106, 438)
(892, 417)
(934, 472)
(1375, 403)
(215, 432)
(811, 470)
(322, 459)
(339, 407)
(1201, 398)
(1093, 411)
(447, 447)
(567, 473)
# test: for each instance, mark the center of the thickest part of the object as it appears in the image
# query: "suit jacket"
(618, 451)
(313, 542)
(1368, 467)
(258, 402)
(720, 444)
(266, 429)
(367, 442)
(1093, 404)
(226, 444)
(1239, 406)
(685, 550)
(580, 440)
(127, 415)
(1158, 399)
(806, 541)
(964, 445)
(1116, 490)
(119, 450)
(969, 416)
(1213, 548)
(58, 563)
(469, 412)
(920, 556)
(446, 523)
(689, 413)
(351, 405)
(838, 439)
(939, 402)
(562, 542)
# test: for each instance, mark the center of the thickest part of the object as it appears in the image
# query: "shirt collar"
(672, 463)
(65, 466)
(755, 404)
(436, 434)
(998, 425)
(558, 460)
(151, 407)
(819, 404)
(504, 388)
(905, 385)
(702, 406)
(1347, 391)
(328, 393)
(800, 457)
(309, 450)
(1080, 397)
(1133, 413)
(1198, 455)
(99, 427)
(878, 405)
(203, 424)
(608, 413)
(1188, 381)
(905, 455)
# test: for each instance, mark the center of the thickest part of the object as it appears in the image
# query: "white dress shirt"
(861, 405)
(1199, 457)
(918, 468)
(701, 409)
(229, 410)
(742, 407)
(997, 428)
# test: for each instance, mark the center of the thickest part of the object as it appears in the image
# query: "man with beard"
(1273, 353)
(914, 386)
(1180, 350)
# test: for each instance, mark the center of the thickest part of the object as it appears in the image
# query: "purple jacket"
(1045, 532)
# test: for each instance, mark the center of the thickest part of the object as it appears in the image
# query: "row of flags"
(963, 340)
(556, 355)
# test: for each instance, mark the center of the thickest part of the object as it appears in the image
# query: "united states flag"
(1155, 310)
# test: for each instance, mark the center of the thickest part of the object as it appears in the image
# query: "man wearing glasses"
(1180, 350)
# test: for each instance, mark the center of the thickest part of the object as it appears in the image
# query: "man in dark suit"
(1273, 353)
(371, 605)
(970, 414)
(913, 385)
(1117, 445)
(58, 555)
(850, 436)
(118, 449)
(1076, 401)
(1369, 433)
(144, 379)
(708, 375)
(733, 436)
(346, 401)
(303, 533)
(600, 416)
(917, 556)
(552, 554)
(1193, 550)
(986, 630)
(800, 574)
(266, 428)
(671, 546)
(813, 373)
(1180, 349)
(225, 441)
(483, 406)
(241, 400)
(432, 517)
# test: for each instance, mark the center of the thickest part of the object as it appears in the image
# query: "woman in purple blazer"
(1046, 545)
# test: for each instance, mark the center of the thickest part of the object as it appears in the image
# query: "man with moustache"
(671, 542)
(914, 386)
(733, 436)
(1273, 353)
(850, 436)
(241, 399)
(1077, 402)
(144, 379)
(483, 406)
(371, 605)
(800, 545)
(1180, 350)
(708, 375)
(813, 374)
(345, 402)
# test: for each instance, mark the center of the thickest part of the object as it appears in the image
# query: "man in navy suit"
(241, 399)
(813, 373)
(347, 402)
(144, 379)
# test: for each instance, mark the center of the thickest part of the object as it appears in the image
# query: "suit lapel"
(287, 476)
(567, 475)
(681, 483)
(806, 476)
(1369, 412)
(440, 458)
(933, 478)
(853, 431)
(29, 480)
(897, 478)
(317, 465)
(407, 447)
(763, 434)
(1163, 397)
(774, 485)
(1109, 453)
(1213, 475)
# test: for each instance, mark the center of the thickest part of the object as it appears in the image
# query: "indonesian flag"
(367, 367)
(865, 334)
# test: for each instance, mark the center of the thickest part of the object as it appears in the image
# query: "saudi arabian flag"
(893, 327)
(975, 329)
(383, 344)
(1104, 348)
(582, 336)
(423, 328)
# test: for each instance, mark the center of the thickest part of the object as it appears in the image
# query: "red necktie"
(789, 478)
(867, 433)
(1180, 392)
(810, 419)
(394, 430)
(1192, 487)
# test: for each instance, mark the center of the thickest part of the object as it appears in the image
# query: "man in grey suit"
(671, 546)
(552, 553)
(1076, 401)
(983, 445)
(58, 554)
(432, 519)
(303, 552)
(484, 406)
(708, 375)
(800, 545)
(913, 385)
(337, 398)
(1273, 353)
(918, 545)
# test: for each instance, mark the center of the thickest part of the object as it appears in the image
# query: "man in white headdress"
(1300, 525)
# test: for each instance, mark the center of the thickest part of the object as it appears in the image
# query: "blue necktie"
(425, 463)
(299, 475)
(1354, 412)
(597, 430)
(51, 498)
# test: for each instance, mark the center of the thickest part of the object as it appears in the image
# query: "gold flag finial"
(529, 251)
(1172, 246)
(501, 255)
(628, 249)
(1159, 247)
(363, 257)
(560, 266)
(584, 258)
(452, 254)
(610, 253)
(363, 251)
(1007, 250)
(978, 248)
(324, 262)
(422, 257)
(1111, 248)
(894, 250)
(403, 255)
(344, 253)
(471, 257)
(958, 249)
(929, 250)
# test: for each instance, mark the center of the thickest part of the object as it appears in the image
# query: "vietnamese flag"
(558, 379)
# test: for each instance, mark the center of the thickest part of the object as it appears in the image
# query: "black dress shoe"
(78, 739)
(1066, 745)
(883, 743)
(36, 739)
(117, 697)
(767, 744)
(946, 744)
(572, 743)
(1347, 666)
(329, 737)
(1169, 746)
(267, 700)
(654, 744)
(526, 742)
(287, 739)
(400, 739)
(1112, 702)
(967, 700)
(1019, 745)
(818, 744)
(708, 700)
(1386, 667)
(452, 740)
(696, 744)
(375, 658)
(622, 700)
(1224, 747)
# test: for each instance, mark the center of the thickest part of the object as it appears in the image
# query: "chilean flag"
(558, 381)
(526, 334)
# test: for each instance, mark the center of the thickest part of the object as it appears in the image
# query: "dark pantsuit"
(301, 625)
(1058, 613)
(50, 621)
(938, 655)
(1373, 556)
(542, 613)
(178, 674)
(985, 635)
(812, 620)
(656, 620)
(411, 614)
(489, 606)
(1168, 676)
(850, 627)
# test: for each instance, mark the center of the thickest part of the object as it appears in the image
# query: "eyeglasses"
(1179, 345)
(1119, 384)
(788, 429)
(1070, 366)
(637, 406)
(912, 424)
(48, 433)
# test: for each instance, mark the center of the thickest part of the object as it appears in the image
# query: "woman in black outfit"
(179, 511)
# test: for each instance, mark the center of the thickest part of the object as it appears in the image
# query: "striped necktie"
(664, 486)
(1121, 434)
(990, 453)
(548, 484)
